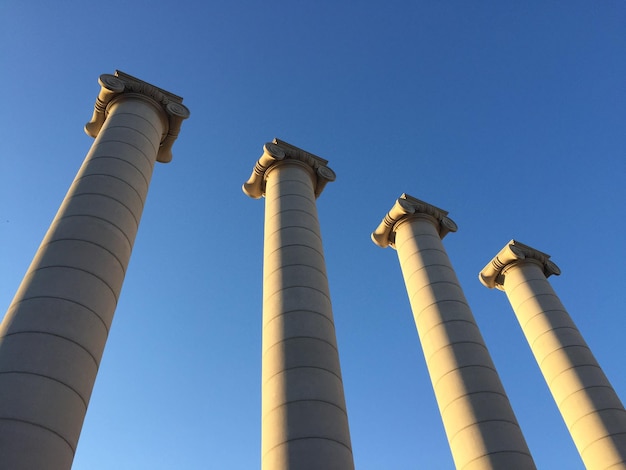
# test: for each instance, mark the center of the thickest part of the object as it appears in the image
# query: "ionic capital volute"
(279, 152)
(407, 207)
(114, 87)
(514, 252)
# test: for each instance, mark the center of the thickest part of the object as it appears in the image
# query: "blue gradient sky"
(510, 115)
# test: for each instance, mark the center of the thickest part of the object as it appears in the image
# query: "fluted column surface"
(304, 420)
(588, 403)
(54, 332)
(481, 427)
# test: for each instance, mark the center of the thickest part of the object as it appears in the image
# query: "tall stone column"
(590, 407)
(481, 427)
(304, 419)
(53, 335)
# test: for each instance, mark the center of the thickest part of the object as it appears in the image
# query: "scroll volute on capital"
(255, 187)
(383, 236)
(111, 87)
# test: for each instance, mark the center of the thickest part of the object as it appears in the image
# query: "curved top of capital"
(514, 252)
(278, 151)
(406, 207)
(113, 86)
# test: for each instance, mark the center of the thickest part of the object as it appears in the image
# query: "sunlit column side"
(304, 420)
(54, 332)
(481, 427)
(590, 407)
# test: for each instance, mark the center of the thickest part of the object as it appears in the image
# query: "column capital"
(278, 151)
(119, 84)
(408, 207)
(514, 252)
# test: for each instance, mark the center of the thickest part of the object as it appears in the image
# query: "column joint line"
(65, 300)
(47, 377)
(112, 157)
(52, 431)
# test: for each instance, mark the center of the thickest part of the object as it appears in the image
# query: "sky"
(509, 115)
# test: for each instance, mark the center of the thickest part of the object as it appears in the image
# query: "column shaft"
(305, 425)
(304, 419)
(53, 335)
(588, 403)
(480, 425)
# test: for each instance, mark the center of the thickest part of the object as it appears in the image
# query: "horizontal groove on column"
(112, 157)
(533, 297)
(562, 348)
(608, 387)
(282, 289)
(282, 195)
(617, 465)
(77, 195)
(302, 265)
(552, 330)
(289, 312)
(596, 366)
(418, 236)
(597, 411)
(495, 453)
(478, 423)
(446, 322)
(115, 295)
(139, 116)
(418, 248)
(474, 393)
(25, 299)
(113, 141)
(56, 336)
(604, 437)
(114, 122)
(451, 345)
(542, 313)
(462, 302)
(107, 175)
(47, 377)
(492, 369)
(286, 227)
(415, 271)
(284, 211)
(82, 240)
(430, 284)
(307, 400)
(528, 280)
(269, 253)
(130, 243)
(418, 252)
(268, 348)
(287, 179)
(42, 427)
(134, 129)
(302, 367)
(305, 438)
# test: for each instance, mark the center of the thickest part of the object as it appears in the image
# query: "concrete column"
(590, 407)
(304, 419)
(481, 427)
(53, 335)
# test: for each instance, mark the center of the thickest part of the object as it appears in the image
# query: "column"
(53, 335)
(481, 427)
(588, 404)
(304, 419)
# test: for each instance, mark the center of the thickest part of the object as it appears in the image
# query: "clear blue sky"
(510, 115)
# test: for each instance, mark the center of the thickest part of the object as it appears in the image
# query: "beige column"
(481, 427)
(590, 407)
(53, 335)
(304, 420)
